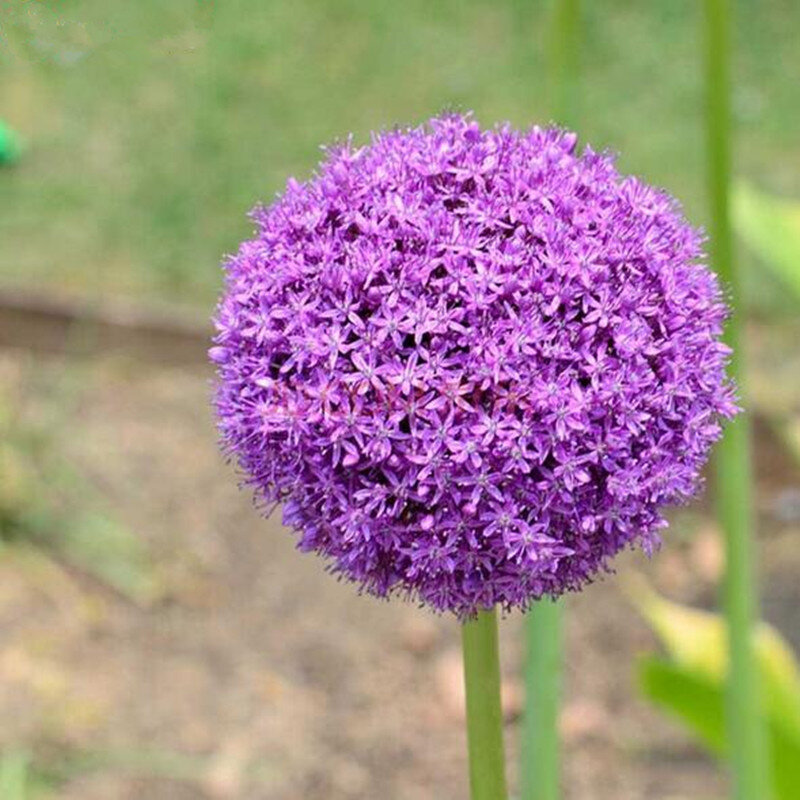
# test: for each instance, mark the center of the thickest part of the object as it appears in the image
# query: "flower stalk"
(540, 748)
(541, 759)
(484, 712)
(746, 734)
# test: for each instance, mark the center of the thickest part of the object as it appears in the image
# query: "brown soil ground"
(254, 675)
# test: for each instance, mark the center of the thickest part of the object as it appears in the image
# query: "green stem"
(540, 769)
(484, 714)
(746, 734)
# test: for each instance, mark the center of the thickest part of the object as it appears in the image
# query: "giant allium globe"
(471, 364)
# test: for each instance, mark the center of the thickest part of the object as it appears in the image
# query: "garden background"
(159, 640)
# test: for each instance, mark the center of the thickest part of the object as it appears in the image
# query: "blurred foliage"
(44, 503)
(212, 773)
(153, 129)
(23, 778)
(19, 779)
(770, 226)
(690, 683)
(10, 145)
(14, 784)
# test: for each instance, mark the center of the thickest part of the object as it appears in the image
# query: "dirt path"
(255, 676)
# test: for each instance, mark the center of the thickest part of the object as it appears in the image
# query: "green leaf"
(771, 228)
(697, 641)
(691, 697)
(698, 700)
(785, 752)
(692, 683)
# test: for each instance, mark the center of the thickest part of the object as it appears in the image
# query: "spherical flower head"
(472, 365)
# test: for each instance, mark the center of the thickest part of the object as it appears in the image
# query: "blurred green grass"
(154, 126)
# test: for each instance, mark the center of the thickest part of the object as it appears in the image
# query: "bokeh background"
(157, 639)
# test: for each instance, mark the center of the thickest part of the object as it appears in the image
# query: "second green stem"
(746, 733)
(540, 769)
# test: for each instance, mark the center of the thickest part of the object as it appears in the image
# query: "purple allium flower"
(472, 365)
